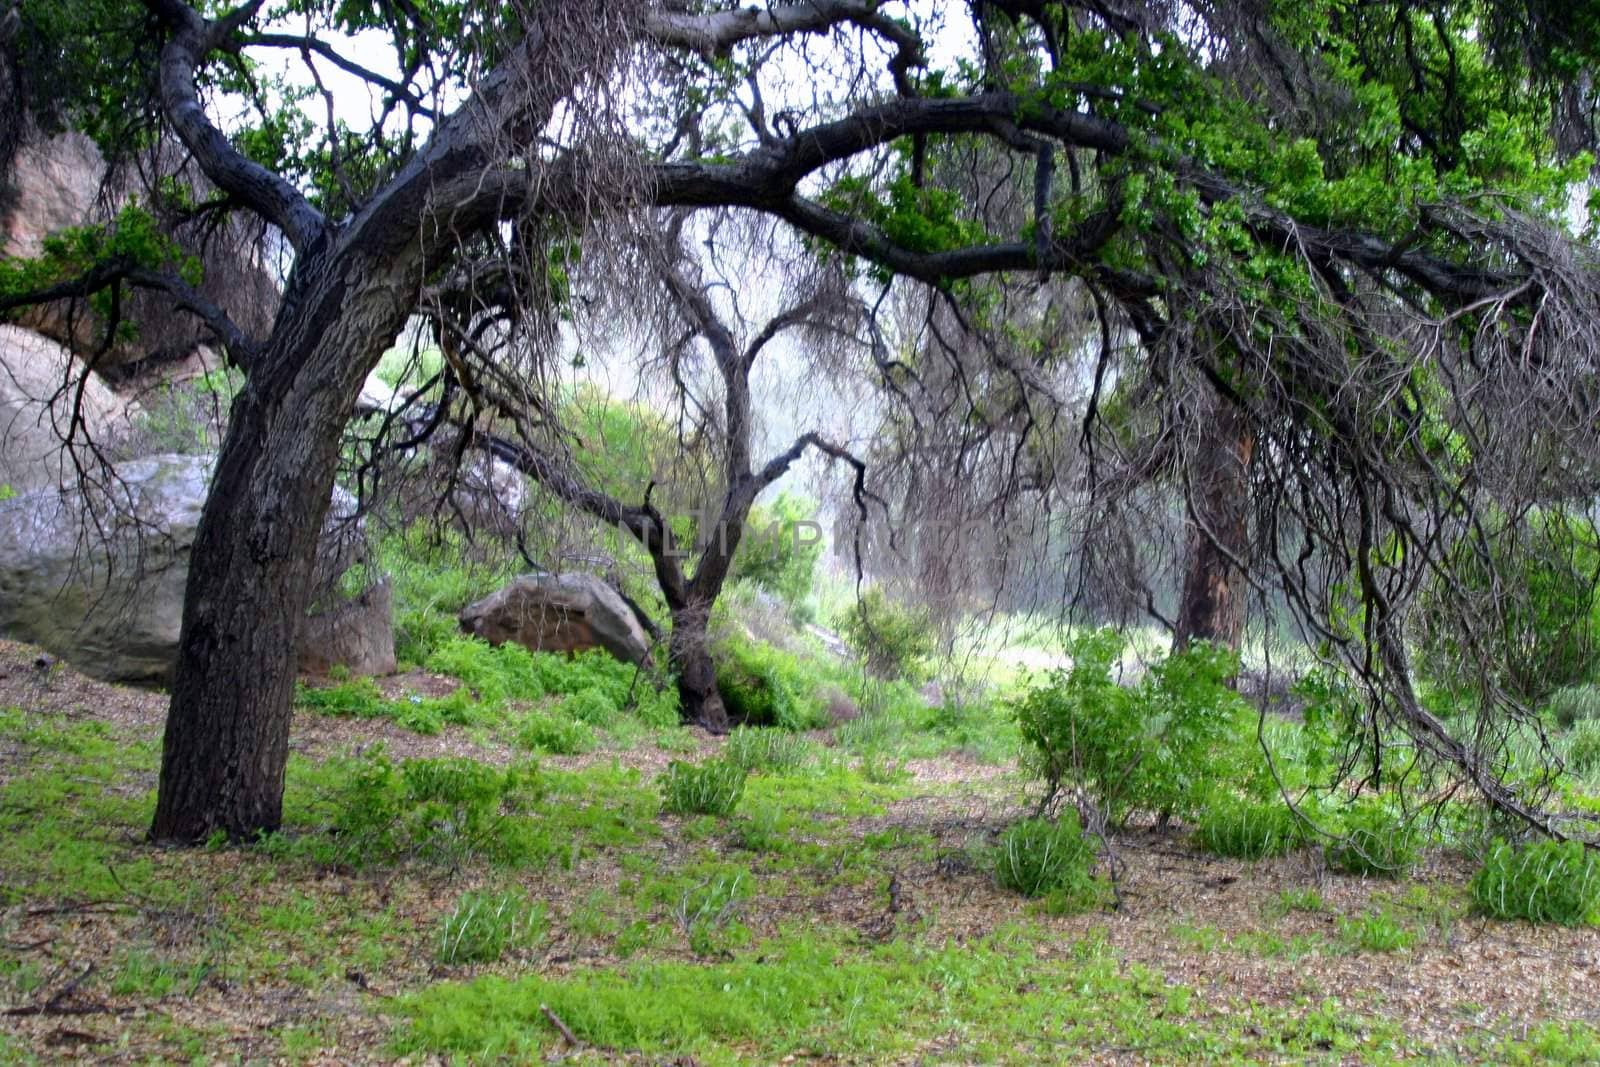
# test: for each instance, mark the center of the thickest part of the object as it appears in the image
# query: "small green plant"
(1574, 704)
(892, 640)
(1249, 830)
(552, 732)
(1544, 882)
(765, 686)
(712, 788)
(444, 811)
(1040, 858)
(591, 706)
(485, 926)
(1303, 899)
(1375, 932)
(757, 750)
(1583, 747)
(1375, 841)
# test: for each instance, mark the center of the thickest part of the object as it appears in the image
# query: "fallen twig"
(565, 1031)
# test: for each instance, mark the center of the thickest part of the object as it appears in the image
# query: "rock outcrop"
(356, 634)
(43, 388)
(559, 613)
(97, 577)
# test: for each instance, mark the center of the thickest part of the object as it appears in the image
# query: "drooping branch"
(269, 194)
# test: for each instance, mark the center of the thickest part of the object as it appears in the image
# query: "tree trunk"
(699, 701)
(1211, 606)
(227, 732)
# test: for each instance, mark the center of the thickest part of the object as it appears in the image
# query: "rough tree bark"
(1217, 531)
(226, 741)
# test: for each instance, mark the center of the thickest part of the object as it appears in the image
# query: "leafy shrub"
(591, 706)
(1583, 747)
(495, 673)
(1541, 574)
(1544, 882)
(359, 697)
(1249, 830)
(484, 926)
(892, 640)
(765, 686)
(712, 788)
(780, 548)
(1164, 745)
(766, 750)
(1375, 841)
(1573, 704)
(1038, 857)
(554, 733)
(446, 811)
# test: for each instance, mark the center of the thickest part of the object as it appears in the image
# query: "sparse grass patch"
(1377, 931)
(761, 750)
(484, 926)
(710, 788)
(1542, 882)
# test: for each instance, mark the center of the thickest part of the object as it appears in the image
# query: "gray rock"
(559, 613)
(356, 634)
(42, 388)
(97, 577)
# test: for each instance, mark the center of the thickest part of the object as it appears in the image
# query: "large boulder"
(43, 390)
(97, 577)
(356, 634)
(559, 613)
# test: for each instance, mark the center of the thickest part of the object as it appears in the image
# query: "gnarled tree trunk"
(227, 734)
(1211, 605)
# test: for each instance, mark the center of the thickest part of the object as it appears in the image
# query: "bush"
(712, 788)
(484, 926)
(1541, 575)
(1545, 882)
(892, 640)
(780, 548)
(1249, 831)
(445, 811)
(1165, 745)
(591, 706)
(554, 733)
(766, 750)
(765, 686)
(1574, 704)
(1039, 858)
(1376, 841)
(1583, 747)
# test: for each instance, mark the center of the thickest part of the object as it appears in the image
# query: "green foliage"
(1542, 882)
(441, 811)
(1376, 931)
(1541, 576)
(1376, 840)
(1583, 747)
(712, 788)
(758, 750)
(1165, 745)
(1249, 830)
(133, 239)
(1573, 704)
(893, 640)
(1041, 858)
(553, 732)
(484, 926)
(762, 685)
(780, 549)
